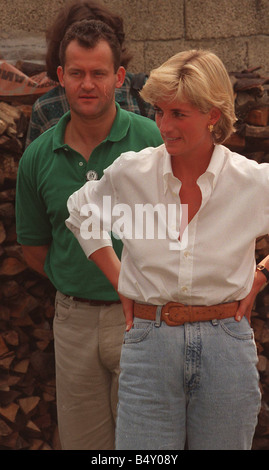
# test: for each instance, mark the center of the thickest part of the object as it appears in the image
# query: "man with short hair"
(89, 322)
(51, 106)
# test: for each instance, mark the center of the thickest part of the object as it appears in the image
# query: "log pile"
(252, 140)
(252, 111)
(27, 371)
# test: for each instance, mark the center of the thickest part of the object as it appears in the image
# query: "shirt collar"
(59, 131)
(212, 172)
(215, 165)
(167, 167)
(118, 130)
(120, 125)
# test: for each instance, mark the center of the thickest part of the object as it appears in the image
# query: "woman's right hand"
(128, 310)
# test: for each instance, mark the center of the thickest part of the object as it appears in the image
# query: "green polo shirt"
(49, 172)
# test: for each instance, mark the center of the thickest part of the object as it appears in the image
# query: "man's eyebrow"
(77, 67)
(100, 70)
(73, 67)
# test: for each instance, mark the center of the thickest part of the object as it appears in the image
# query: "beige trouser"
(88, 344)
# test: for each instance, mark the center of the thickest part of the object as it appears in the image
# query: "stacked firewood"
(252, 140)
(28, 418)
(27, 371)
(252, 112)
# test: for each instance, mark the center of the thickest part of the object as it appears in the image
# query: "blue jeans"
(195, 383)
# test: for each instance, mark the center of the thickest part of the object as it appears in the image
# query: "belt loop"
(158, 316)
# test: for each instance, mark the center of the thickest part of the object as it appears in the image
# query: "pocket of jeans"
(62, 309)
(240, 330)
(138, 332)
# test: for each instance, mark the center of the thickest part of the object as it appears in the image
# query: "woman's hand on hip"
(128, 310)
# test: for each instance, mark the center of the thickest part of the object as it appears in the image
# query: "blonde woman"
(188, 363)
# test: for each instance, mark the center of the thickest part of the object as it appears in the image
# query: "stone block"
(137, 63)
(157, 52)
(258, 48)
(27, 15)
(148, 19)
(211, 19)
(233, 52)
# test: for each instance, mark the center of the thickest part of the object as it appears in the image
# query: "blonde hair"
(199, 77)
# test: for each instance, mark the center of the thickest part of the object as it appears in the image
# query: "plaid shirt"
(49, 108)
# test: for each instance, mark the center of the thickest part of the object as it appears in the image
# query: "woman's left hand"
(246, 304)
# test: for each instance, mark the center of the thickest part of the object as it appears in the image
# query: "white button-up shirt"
(214, 260)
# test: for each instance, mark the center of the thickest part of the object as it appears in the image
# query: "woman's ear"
(214, 115)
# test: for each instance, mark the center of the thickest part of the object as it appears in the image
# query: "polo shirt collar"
(59, 132)
(120, 125)
(118, 131)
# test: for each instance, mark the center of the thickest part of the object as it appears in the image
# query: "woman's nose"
(164, 123)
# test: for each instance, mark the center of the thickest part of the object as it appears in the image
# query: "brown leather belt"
(174, 314)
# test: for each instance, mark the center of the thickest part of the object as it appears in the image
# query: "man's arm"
(35, 257)
(246, 304)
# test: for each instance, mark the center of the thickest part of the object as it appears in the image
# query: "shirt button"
(184, 289)
(186, 254)
(81, 163)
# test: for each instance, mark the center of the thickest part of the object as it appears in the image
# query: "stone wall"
(156, 29)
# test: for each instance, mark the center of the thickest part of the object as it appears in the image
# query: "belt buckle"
(176, 318)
